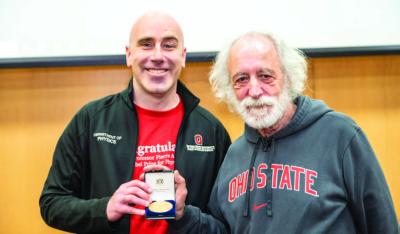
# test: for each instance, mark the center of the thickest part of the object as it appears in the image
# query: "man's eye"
(241, 80)
(146, 45)
(170, 45)
(264, 77)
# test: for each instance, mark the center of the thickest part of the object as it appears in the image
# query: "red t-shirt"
(158, 131)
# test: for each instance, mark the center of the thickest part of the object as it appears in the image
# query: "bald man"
(95, 182)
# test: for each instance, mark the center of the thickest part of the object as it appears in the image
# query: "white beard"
(265, 111)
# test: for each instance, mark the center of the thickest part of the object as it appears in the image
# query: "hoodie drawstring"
(249, 179)
(267, 143)
(271, 147)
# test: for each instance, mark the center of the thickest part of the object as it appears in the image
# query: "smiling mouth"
(156, 71)
(257, 107)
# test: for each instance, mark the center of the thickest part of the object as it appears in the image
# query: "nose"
(255, 90)
(157, 54)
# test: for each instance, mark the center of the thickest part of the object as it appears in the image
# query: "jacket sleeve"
(196, 222)
(369, 196)
(62, 205)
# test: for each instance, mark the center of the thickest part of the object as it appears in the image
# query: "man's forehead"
(156, 26)
(152, 38)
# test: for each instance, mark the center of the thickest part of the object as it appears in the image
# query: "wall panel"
(367, 89)
(37, 103)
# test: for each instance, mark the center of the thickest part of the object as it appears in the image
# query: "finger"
(181, 190)
(138, 211)
(138, 192)
(139, 184)
(131, 210)
(180, 194)
(141, 177)
(155, 167)
(134, 200)
(178, 178)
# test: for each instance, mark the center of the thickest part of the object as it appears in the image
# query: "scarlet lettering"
(285, 178)
(252, 181)
(310, 181)
(240, 187)
(261, 175)
(288, 177)
(275, 168)
(232, 189)
(297, 171)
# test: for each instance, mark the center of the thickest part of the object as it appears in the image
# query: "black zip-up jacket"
(96, 154)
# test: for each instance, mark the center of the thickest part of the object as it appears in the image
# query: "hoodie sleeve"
(61, 202)
(369, 196)
(194, 221)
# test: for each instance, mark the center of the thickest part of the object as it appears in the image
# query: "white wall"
(42, 28)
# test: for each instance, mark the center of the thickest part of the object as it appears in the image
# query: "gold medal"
(160, 206)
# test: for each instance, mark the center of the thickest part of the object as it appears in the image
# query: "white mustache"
(262, 101)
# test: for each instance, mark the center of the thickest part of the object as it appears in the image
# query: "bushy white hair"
(292, 60)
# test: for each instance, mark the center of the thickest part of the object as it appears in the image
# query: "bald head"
(156, 21)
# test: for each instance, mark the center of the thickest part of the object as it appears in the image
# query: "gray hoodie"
(317, 175)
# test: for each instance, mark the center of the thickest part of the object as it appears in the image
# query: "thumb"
(180, 194)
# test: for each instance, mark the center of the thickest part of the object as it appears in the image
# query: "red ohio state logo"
(198, 139)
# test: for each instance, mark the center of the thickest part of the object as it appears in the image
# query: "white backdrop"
(43, 28)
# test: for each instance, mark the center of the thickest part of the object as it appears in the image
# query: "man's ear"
(128, 56)
(184, 57)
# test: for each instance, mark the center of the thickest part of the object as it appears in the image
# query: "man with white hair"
(299, 167)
